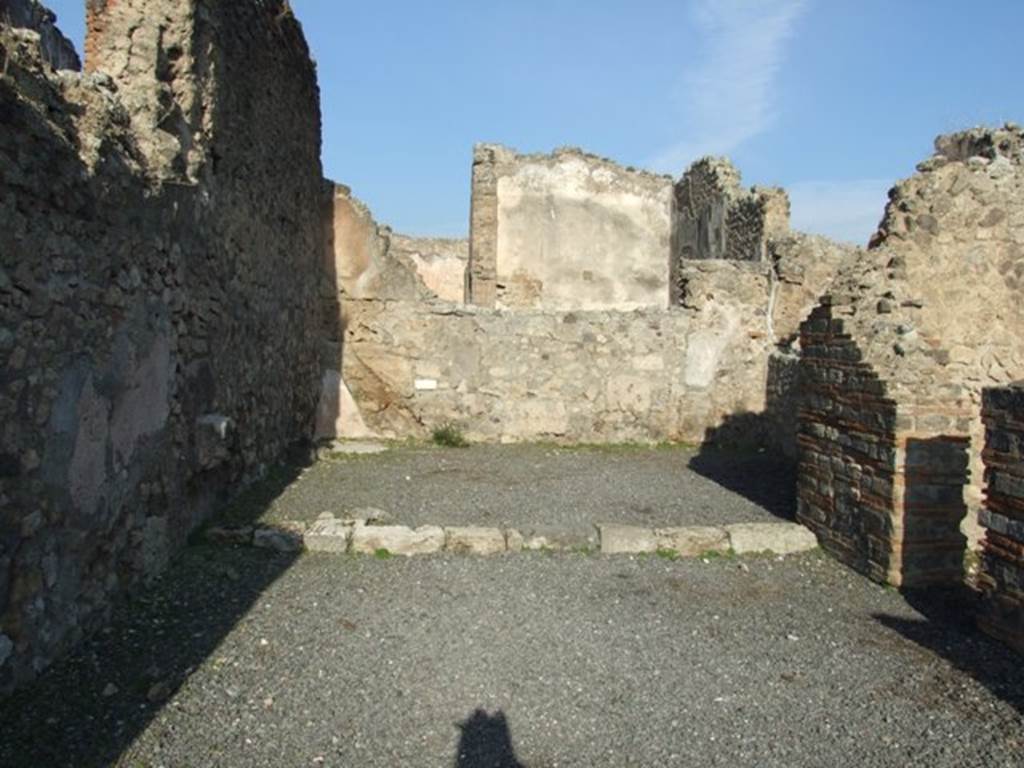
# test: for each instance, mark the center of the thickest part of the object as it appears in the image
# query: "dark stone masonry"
(1002, 578)
(162, 230)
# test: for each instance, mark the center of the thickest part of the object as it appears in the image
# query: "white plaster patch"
(704, 350)
(425, 385)
(337, 414)
(144, 406)
(88, 469)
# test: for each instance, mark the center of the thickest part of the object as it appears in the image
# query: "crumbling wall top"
(937, 295)
(56, 49)
(507, 157)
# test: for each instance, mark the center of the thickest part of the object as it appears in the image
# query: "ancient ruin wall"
(566, 231)
(369, 261)
(158, 343)
(439, 261)
(577, 376)
(725, 305)
(714, 217)
(1002, 570)
(362, 257)
(56, 50)
(930, 311)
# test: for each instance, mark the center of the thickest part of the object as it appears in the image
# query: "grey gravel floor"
(574, 661)
(525, 486)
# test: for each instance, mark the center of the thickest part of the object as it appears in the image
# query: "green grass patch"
(718, 554)
(668, 554)
(449, 435)
(382, 554)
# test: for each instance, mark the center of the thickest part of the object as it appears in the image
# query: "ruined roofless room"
(510, 385)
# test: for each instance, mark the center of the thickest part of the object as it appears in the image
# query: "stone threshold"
(358, 536)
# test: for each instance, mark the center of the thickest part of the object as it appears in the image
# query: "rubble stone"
(282, 537)
(627, 539)
(691, 541)
(474, 540)
(328, 534)
(780, 538)
(397, 539)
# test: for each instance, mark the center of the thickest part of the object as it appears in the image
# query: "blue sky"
(832, 99)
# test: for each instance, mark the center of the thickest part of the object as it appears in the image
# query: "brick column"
(1002, 568)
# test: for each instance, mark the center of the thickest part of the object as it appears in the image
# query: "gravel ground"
(255, 659)
(526, 486)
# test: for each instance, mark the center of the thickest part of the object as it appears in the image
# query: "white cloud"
(727, 97)
(843, 210)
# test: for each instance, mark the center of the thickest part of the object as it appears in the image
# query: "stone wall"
(369, 261)
(591, 376)
(159, 322)
(1002, 570)
(566, 231)
(362, 257)
(55, 49)
(439, 261)
(526, 360)
(898, 354)
(714, 217)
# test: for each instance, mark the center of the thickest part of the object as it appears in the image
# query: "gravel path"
(526, 486)
(254, 659)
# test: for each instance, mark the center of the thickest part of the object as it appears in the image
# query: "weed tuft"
(449, 435)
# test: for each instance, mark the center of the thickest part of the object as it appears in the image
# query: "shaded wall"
(158, 298)
(56, 50)
(1002, 570)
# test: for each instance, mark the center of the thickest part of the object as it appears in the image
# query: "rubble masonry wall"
(159, 319)
(897, 356)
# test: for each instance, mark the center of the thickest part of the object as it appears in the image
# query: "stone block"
(213, 432)
(282, 537)
(397, 539)
(627, 539)
(559, 539)
(328, 534)
(513, 540)
(229, 534)
(780, 538)
(474, 540)
(693, 540)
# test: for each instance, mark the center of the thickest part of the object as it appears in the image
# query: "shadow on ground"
(949, 630)
(87, 709)
(486, 742)
(768, 480)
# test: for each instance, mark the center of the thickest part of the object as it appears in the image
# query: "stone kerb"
(330, 534)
